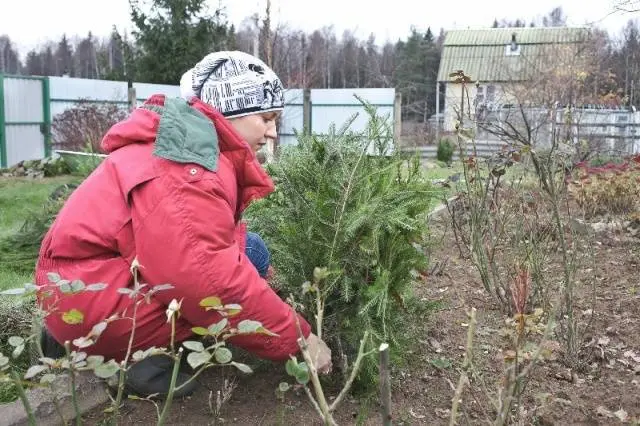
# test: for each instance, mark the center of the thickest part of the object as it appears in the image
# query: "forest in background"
(185, 31)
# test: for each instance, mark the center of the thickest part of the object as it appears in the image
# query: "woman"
(170, 195)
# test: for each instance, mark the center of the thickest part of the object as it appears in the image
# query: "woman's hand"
(320, 354)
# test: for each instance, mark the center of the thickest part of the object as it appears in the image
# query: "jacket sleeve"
(186, 236)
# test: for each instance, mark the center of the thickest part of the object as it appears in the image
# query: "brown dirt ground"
(422, 393)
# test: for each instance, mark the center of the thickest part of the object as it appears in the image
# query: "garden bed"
(604, 393)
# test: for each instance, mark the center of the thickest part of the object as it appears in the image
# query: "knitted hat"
(235, 83)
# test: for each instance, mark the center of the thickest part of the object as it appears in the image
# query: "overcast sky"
(32, 22)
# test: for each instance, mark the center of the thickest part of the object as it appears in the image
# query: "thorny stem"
(313, 401)
(546, 179)
(172, 386)
(319, 314)
(568, 282)
(123, 366)
(317, 387)
(354, 372)
(74, 395)
(466, 366)
(23, 397)
(523, 375)
(322, 401)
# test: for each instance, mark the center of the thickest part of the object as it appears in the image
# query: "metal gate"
(25, 119)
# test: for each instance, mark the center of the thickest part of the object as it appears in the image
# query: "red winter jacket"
(170, 193)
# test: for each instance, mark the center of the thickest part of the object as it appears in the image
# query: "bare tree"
(627, 6)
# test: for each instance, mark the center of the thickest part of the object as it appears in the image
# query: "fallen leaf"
(632, 355)
(414, 415)
(622, 415)
(435, 345)
(603, 341)
(603, 412)
(443, 413)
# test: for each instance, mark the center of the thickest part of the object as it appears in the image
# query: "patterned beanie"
(235, 83)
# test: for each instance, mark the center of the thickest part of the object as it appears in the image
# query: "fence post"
(397, 118)
(306, 111)
(131, 96)
(3, 127)
(46, 116)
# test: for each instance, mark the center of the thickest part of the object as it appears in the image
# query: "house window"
(491, 93)
(485, 94)
(513, 48)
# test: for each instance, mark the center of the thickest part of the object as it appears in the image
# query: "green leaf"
(30, 287)
(138, 356)
(13, 291)
(302, 376)
(73, 317)
(193, 345)
(126, 291)
(291, 367)
(223, 355)
(242, 367)
(319, 274)
(94, 360)
(47, 378)
(16, 341)
(66, 288)
(53, 277)
(163, 287)
(250, 327)
(77, 286)
(232, 309)
(98, 328)
(283, 387)
(3, 360)
(200, 331)
(96, 287)
(78, 356)
(34, 370)
(216, 329)
(196, 359)
(211, 302)
(107, 369)
(17, 351)
(48, 361)
(83, 342)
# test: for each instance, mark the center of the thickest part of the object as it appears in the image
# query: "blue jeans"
(258, 253)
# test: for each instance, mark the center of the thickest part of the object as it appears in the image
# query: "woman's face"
(257, 129)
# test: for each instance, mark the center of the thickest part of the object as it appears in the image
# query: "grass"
(18, 198)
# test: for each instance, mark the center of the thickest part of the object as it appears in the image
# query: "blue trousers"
(258, 253)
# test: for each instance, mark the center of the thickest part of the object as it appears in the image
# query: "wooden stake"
(385, 384)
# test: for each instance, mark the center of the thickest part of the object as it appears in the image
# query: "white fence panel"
(145, 90)
(24, 103)
(24, 142)
(292, 117)
(23, 120)
(335, 107)
(64, 92)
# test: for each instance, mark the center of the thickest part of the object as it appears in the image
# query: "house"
(508, 68)
(495, 60)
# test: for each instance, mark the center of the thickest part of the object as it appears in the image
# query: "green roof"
(481, 54)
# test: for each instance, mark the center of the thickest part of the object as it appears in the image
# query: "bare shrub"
(83, 126)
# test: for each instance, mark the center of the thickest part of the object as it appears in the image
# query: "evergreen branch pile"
(344, 202)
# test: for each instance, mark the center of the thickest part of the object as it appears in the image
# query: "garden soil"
(605, 390)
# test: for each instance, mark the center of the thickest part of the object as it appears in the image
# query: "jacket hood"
(191, 131)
